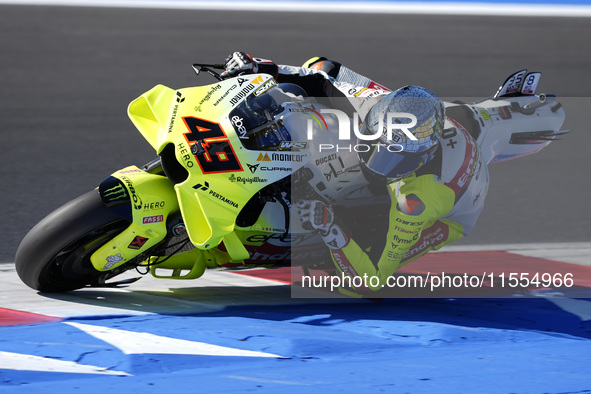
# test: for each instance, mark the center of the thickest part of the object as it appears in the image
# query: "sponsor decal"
(137, 201)
(253, 167)
(484, 114)
(129, 171)
(276, 230)
(205, 188)
(406, 231)
(449, 134)
(152, 219)
(409, 223)
(112, 260)
(179, 229)
(173, 116)
(115, 193)
(410, 205)
(464, 174)
(223, 96)
(377, 86)
(334, 173)
(242, 94)
(245, 180)
(185, 156)
(326, 159)
(263, 157)
(150, 206)
(343, 263)
(397, 240)
(266, 86)
(238, 123)
(315, 115)
(267, 168)
(209, 94)
(138, 242)
(431, 237)
(298, 157)
(279, 238)
(293, 145)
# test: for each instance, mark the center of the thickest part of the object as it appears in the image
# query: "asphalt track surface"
(67, 76)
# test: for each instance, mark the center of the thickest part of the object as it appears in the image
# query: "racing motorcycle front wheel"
(55, 255)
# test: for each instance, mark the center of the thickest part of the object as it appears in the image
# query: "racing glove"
(318, 217)
(239, 63)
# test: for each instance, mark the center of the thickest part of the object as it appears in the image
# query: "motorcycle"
(220, 191)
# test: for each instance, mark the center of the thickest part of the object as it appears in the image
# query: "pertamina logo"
(205, 188)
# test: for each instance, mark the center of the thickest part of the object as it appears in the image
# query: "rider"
(436, 190)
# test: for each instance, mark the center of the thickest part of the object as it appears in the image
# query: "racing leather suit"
(436, 205)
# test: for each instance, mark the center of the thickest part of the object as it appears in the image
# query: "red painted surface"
(459, 263)
(9, 317)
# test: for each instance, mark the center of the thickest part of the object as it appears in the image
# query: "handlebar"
(208, 68)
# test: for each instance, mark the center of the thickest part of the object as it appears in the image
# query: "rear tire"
(55, 255)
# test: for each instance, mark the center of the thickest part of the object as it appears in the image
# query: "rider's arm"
(315, 83)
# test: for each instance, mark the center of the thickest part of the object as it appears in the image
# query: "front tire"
(55, 255)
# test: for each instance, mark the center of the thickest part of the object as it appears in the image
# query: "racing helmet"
(259, 120)
(400, 156)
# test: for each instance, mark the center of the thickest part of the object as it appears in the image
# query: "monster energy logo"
(115, 193)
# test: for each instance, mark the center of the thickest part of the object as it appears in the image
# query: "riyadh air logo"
(253, 167)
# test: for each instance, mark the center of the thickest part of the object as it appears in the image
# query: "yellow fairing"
(152, 200)
(210, 198)
(150, 113)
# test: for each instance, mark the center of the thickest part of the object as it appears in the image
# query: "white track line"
(373, 7)
(567, 252)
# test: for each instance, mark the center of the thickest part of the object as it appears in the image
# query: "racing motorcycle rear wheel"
(55, 255)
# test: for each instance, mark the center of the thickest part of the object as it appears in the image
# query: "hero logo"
(238, 123)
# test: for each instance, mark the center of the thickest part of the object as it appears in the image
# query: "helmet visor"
(392, 164)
